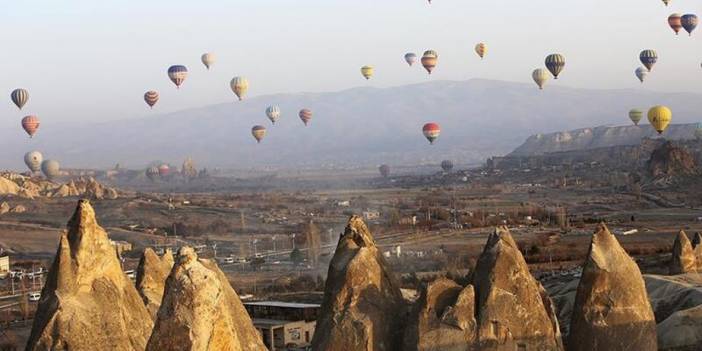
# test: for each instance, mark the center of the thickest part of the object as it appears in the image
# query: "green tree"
(296, 256)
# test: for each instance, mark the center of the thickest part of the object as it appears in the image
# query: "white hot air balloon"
(540, 76)
(641, 73)
(273, 113)
(33, 160)
(208, 59)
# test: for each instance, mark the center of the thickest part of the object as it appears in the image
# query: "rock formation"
(88, 303)
(511, 308)
(32, 187)
(4, 207)
(201, 311)
(611, 310)
(671, 160)
(683, 260)
(681, 331)
(362, 309)
(151, 278)
(697, 248)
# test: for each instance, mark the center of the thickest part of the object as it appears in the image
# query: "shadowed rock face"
(151, 278)
(697, 248)
(510, 303)
(200, 311)
(683, 256)
(88, 303)
(611, 310)
(362, 308)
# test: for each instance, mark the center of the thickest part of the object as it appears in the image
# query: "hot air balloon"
(674, 22)
(273, 113)
(152, 173)
(641, 73)
(666, 2)
(19, 97)
(177, 74)
(164, 170)
(635, 115)
(431, 131)
(305, 115)
(689, 22)
(540, 76)
(367, 72)
(384, 170)
(30, 124)
(698, 131)
(447, 165)
(151, 98)
(410, 58)
(51, 169)
(240, 86)
(481, 49)
(555, 64)
(429, 60)
(648, 58)
(659, 117)
(208, 59)
(33, 160)
(258, 133)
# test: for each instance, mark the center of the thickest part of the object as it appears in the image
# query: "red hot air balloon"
(305, 115)
(30, 124)
(674, 21)
(163, 170)
(431, 132)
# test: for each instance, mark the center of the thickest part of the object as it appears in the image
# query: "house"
(284, 324)
(371, 215)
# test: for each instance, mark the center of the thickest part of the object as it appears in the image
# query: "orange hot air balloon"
(305, 115)
(151, 98)
(675, 22)
(30, 124)
(258, 133)
(429, 60)
(431, 131)
(164, 170)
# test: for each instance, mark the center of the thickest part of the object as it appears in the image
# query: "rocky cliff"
(683, 260)
(151, 278)
(671, 160)
(88, 303)
(33, 187)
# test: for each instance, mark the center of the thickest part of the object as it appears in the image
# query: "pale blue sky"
(88, 59)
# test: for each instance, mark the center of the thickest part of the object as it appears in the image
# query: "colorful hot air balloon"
(431, 131)
(33, 160)
(240, 86)
(674, 22)
(689, 22)
(51, 169)
(635, 115)
(273, 113)
(367, 72)
(30, 124)
(151, 98)
(481, 49)
(447, 165)
(177, 74)
(384, 170)
(555, 64)
(666, 2)
(641, 73)
(429, 60)
(648, 58)
(208, 59)
(164, 170)
(19, 97)
(305, 115)
(540, 76)
(258, 133)
(659, 117)
(152, 173)
(410, 58)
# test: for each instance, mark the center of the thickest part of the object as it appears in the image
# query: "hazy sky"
(88, 59)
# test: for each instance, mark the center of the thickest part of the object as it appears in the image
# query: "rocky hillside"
(32, 187)
(672, 160)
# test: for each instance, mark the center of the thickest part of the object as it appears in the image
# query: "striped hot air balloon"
(429, 60)
(540, 76)
(641, 73)
(177, 74)
(30, 124)
(431, 131)
(152, 173)
(689, 22)
(33, 160)
(151, 98)
(410, 58)
(273, 113)
(164, 170)
(659, 117)
(367, 72)
(258, 133)
(675, 23)
(481, 50)
(447, 165)
(648, 58)
(635, 115)
(240, 86)
(305, 115)
(555, 64)
(208, 59)
(51, 169)
(384, 170)
(19, 97)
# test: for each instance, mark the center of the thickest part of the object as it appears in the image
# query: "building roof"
(282, 304)
(264, 322)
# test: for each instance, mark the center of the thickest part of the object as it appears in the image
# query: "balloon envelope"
(152, 173)
(273, 113)
(674, 21)
(177, 74)
(208, 59)
(635, 115)
(641, 73)
(540, 76)
(33, 160)
(447, 165)
(163, 170)
(151, 98)
(30, 124)
(258, 133)
(689, 22)
(240, 86)
(648, 58)
(50, 168)
(305, 115)
(555, 64)
(367, 72)
(429, 60)
(431, 131)
(659, 117)
(410, 58)
(19, 97)
(481, 49)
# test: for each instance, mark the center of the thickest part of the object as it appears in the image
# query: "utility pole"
(293, 241)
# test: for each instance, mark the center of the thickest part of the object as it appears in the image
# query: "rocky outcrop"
(29, 187)
(611, 310)
(201, 311)
(86, 187)
(682, 331)
(88, 303)
(8, 187)
(697, 249)
(4, 208)
(511, 308)
(362, 309)
(18, 209)
(683, 260)
(671, 160)
(151, 278)
(442, 319)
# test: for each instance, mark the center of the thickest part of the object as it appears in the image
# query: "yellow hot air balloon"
(540, 76)
(240, 86)
(659, 117)
(367, 71)
(481, 49)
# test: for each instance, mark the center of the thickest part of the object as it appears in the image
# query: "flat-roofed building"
(284, 325)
